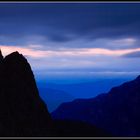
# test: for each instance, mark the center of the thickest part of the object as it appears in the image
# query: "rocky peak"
(23, 113)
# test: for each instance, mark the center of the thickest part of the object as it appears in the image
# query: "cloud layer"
(87, 37)
(23, 23)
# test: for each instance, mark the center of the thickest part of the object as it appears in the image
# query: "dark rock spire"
(22, 111)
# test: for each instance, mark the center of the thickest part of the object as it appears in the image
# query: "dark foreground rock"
(22, 111)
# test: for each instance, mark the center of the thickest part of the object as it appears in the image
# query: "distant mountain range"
(56, 94)
(117, 111)
(52, 97)
(88, 89)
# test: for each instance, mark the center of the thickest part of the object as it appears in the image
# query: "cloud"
(35, 51)
(122, 42)
(135, 54)
(65, 22)
(73, 36)
(25, 51)
(75, 60)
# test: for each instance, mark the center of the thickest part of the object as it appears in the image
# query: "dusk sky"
(73, 39)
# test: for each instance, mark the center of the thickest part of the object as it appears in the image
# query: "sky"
(73, 39)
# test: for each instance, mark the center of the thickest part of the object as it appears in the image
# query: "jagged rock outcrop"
(22, 112)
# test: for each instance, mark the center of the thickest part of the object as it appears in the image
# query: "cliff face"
(22, 112)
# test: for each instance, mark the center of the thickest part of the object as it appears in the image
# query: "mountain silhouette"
(118, 111)
(88, 89)
(23, 112)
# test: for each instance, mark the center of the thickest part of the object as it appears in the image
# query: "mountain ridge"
(116, 111)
